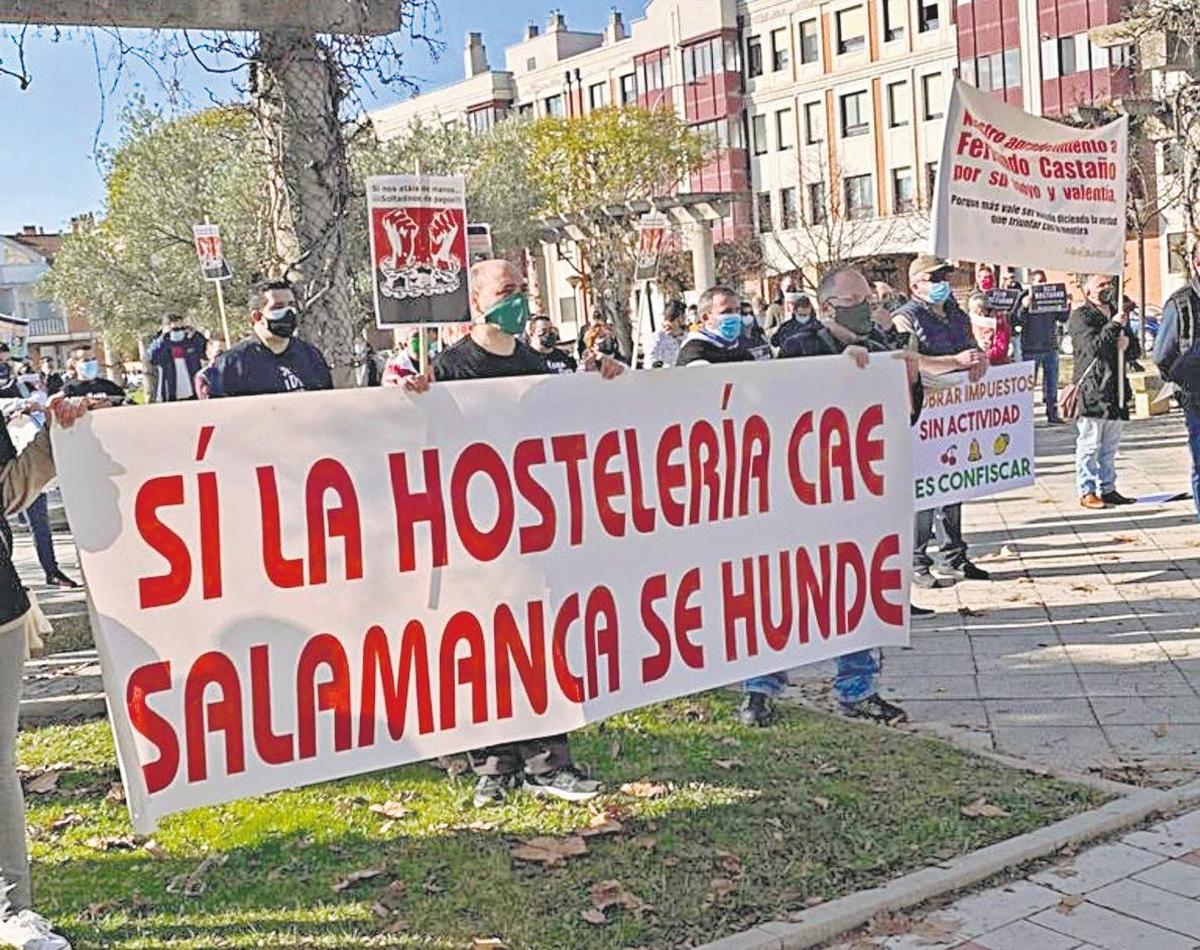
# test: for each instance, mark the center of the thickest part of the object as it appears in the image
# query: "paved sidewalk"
(1141, 892)
(1084, 650)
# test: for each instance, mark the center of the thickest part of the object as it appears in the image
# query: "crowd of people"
(848, 315)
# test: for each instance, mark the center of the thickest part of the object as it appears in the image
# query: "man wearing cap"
(942, 332)
(797, 335)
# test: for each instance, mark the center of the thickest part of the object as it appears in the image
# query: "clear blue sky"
(48, 170)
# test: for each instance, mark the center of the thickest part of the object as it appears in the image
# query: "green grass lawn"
(751, 825)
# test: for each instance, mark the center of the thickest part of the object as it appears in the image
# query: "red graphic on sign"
(419, 252)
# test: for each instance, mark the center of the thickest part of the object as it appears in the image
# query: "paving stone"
(1040, 712)
(1146, 710)
(929, 687)
(1064, 745)
(1096, 867)
(1018, 686)
(1160, 739)
(967, 713)
(992, 909)
(1110, 930)
(1173, 839)
(903, 665)
(1025, 935)
(1162, 682)
(1149, 904)
(1177, 877)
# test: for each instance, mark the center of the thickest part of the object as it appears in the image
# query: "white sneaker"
(29, 931)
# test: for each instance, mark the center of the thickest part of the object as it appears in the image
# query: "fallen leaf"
(981, 808)
(936, 928)
(644, 789)
(116, 792)
(155, 850)
(392, 896)
(670, 861)
(602, 824)
(44, 783)
(379, 910)
(1085, 588)
(593, 916)
(66, 821)
(487, 943)
(478, 826)
(550, 851)
(614, 749)
(822, 803)
(728, 764)
(111, 843)
(731, 864)
(192, 884)
(1160, 730)
(969, 612)
(891, 924)
(606, 894)
(828, 769)
(1068, 904)
(732, 741)
(1123, 539)
(1065, 872)
(814, 901)
(720, 888)
(390, 809)
(648, 842)
(354, 877)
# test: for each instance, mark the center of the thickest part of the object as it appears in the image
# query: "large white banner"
(1029, 192)
(295, 588)
(975, 439)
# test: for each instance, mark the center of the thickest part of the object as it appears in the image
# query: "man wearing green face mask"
(492, 350)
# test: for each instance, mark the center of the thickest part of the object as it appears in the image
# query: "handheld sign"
(1049, 298)
(479, 243)
(1003, 298)
(652, 234)
(211, 252)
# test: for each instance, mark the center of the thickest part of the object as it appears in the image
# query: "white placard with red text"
(519, 562)
(1027, 191)
(975, 439)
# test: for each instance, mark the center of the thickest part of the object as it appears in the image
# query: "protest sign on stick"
(401, 578)
(1049, 298)
(975, 439)
(418, 236)
(1028, 191)
(213, 266)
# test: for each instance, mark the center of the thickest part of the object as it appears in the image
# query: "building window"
(1177, 261)
(814, 122)
(933, 95)
(899, 104)
(789, 214)
(852, 30)
(1067, 65)
(904, 192)
(705, 59)
(779, 50)
(531, 64)
(860, 197)
(817, 211)
(1012, 68)
(764, 212)
(809, 43)
(525, 110)
(653, 72)
(758, 134)
(1121, 57)
(893, 20)
(598, 95)
(629, 89)
(854, 114)
(481, 120)
(754, 61)
(931, 169)
(927, 17)
(785, 135)
(554, 106)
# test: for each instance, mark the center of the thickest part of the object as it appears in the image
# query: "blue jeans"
(1192, 417)
(38, 514)
(854, 681)
(1096, 455)
(1048, 363)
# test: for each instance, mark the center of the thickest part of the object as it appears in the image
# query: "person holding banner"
(272, 360)
(22, 478)
(1177, 354)
(493, 350)
(944, 340)
(544, 339)
(1101, 339)
(1039, 330)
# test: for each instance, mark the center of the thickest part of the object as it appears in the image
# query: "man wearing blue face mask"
(177, 352)
(272, 360)
(84, 379)
(494, 349)
(719, 338)
(942, 332)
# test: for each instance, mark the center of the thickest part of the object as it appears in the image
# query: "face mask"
(549, 338)
(89, 369)
(747, 320)
(282, 322)
(509, 315)
(938, 292)
(987, 282)
(856, 319)
(177, 336)
(607, 346)
(792, 297)
(730, 327)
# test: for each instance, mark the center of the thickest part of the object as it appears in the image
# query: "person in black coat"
(1101, 341)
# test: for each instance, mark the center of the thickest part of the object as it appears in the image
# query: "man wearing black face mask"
(177, 352)
(543, 338)
(272, 360)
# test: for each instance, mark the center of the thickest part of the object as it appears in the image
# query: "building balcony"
(48, 328)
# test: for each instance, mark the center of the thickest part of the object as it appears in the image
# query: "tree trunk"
(297, 94)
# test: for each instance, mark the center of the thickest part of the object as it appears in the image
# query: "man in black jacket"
(1177, 353)
(1100, 334)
